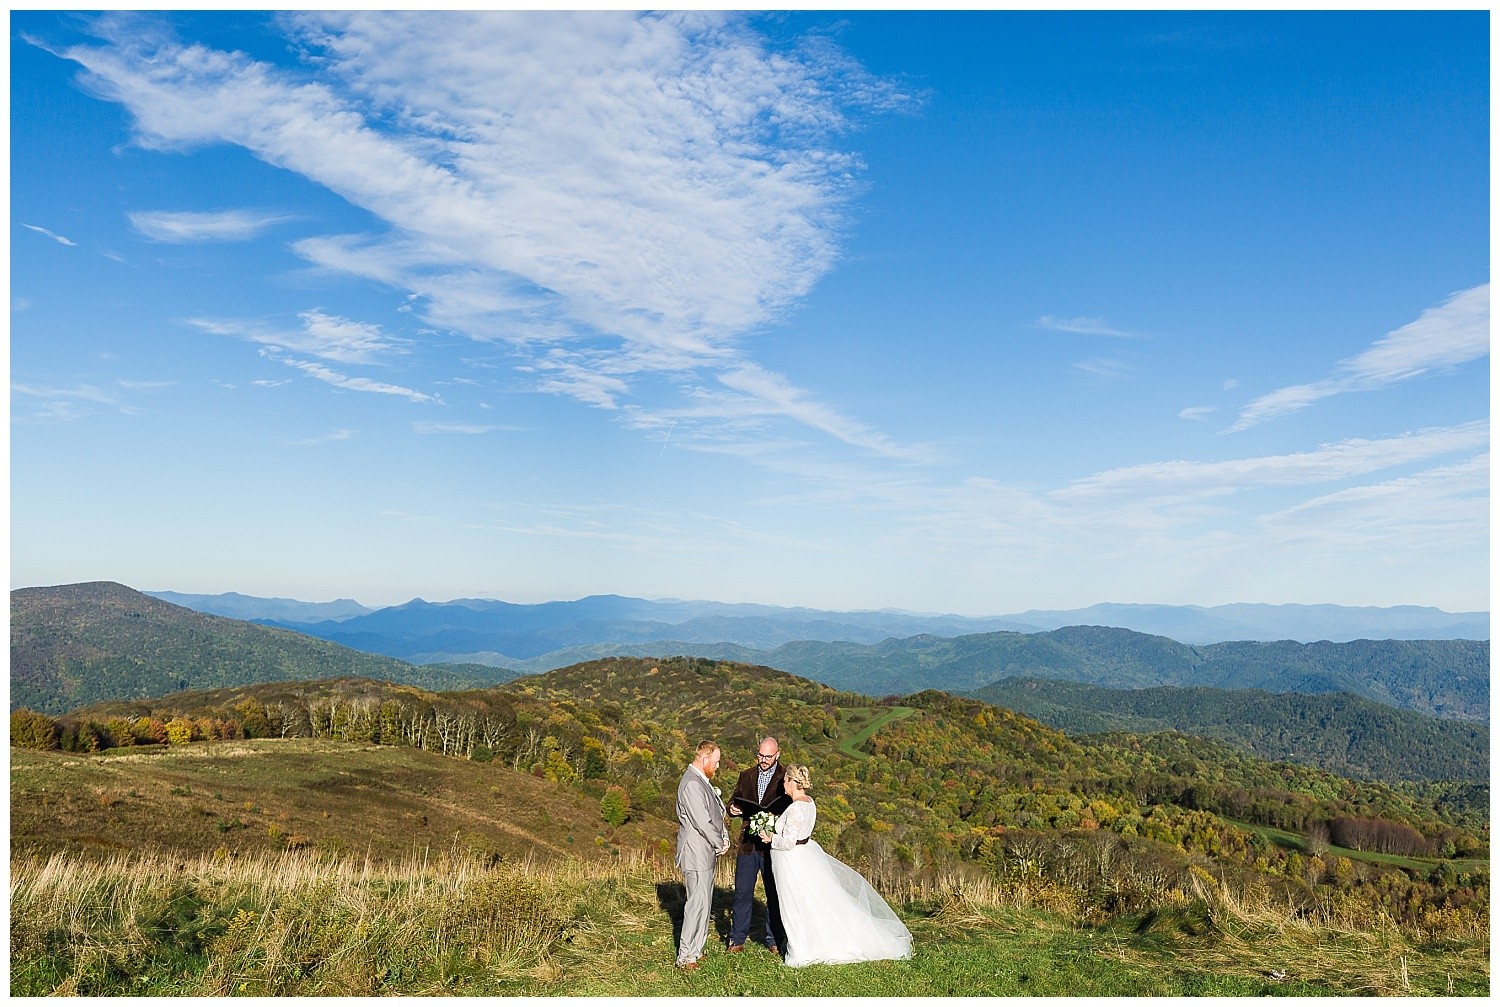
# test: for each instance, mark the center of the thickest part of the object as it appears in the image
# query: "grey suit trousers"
(700, 895)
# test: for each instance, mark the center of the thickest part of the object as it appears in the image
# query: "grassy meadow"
(264, 796)
(301, 923)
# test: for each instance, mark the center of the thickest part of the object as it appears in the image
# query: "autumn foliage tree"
(29, 729)
(615, 805)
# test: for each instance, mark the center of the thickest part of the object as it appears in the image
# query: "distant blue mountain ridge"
(233, 605)
(505, 634)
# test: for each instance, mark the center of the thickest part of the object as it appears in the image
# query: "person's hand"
(723, 849)
(734, 809)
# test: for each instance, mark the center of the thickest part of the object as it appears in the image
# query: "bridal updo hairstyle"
(800, 776)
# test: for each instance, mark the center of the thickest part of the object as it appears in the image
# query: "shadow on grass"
(671, 896)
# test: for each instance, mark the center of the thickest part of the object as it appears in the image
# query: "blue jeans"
(746, 867)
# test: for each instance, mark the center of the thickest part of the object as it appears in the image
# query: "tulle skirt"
(830, 913)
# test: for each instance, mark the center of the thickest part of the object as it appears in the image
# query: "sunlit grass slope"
(264, 796)
(300, 924)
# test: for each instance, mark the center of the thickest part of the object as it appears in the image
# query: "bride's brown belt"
(804, 842)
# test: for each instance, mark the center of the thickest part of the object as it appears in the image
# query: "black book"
(749, 808)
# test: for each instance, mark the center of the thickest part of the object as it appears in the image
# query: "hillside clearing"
(882, 717)
(252, 797)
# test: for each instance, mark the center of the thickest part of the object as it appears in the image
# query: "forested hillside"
(1339, 732)
(75, 645)
(1447, 678)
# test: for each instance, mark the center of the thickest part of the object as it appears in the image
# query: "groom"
(760, 784)
(701, 837)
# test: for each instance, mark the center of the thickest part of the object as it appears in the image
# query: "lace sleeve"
(795, 824)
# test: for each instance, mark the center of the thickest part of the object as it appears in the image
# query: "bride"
(830, 913)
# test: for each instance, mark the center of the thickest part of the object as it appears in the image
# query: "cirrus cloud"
(647, 188)
(51, 234)
(331, 337)
(181, 227)
(1452, 333)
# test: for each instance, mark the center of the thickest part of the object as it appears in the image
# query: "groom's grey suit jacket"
(700, 816)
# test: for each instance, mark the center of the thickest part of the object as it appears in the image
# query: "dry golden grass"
(298, 923)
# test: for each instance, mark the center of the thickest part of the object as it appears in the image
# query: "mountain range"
(500, 633)
(84, 643)
(234, 605)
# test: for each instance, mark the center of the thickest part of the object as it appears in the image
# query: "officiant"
(759, 788)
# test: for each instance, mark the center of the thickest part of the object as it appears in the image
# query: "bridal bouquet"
(763, 823)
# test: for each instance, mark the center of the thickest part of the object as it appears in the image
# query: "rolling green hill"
(1338, 732)
(82, 643)
(1446, 678)
(947, 768)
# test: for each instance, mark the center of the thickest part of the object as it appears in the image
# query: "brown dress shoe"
(689, 966)
(735, 949)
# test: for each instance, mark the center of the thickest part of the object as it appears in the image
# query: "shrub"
(79, 736)
(120, 732)
(179, 731)
(149, 731)
(615, 806)
(29, 729)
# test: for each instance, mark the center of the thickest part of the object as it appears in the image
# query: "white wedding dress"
(829, 912)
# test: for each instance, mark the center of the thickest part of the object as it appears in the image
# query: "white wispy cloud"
(1082, 326)
(355, 384)
(66, 404)
(429, 427)
(783, 398)
(333, 437)
(1196, 412)
(1452, 333)
(143, 385)
(1343, 460)
(189, 227)
(84, 393)
(51, 234)
(1105, 368)
(331, 337)
(650, 187)
(1402, 507)
(570, 374)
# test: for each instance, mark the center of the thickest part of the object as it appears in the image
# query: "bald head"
(766, 754)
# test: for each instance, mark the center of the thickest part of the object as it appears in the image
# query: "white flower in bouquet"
(763, 823)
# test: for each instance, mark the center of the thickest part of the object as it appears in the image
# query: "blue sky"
(960, 312)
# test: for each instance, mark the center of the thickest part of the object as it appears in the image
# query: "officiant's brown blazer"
(745, 787)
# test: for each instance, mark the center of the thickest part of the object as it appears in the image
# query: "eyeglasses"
(764, 755)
